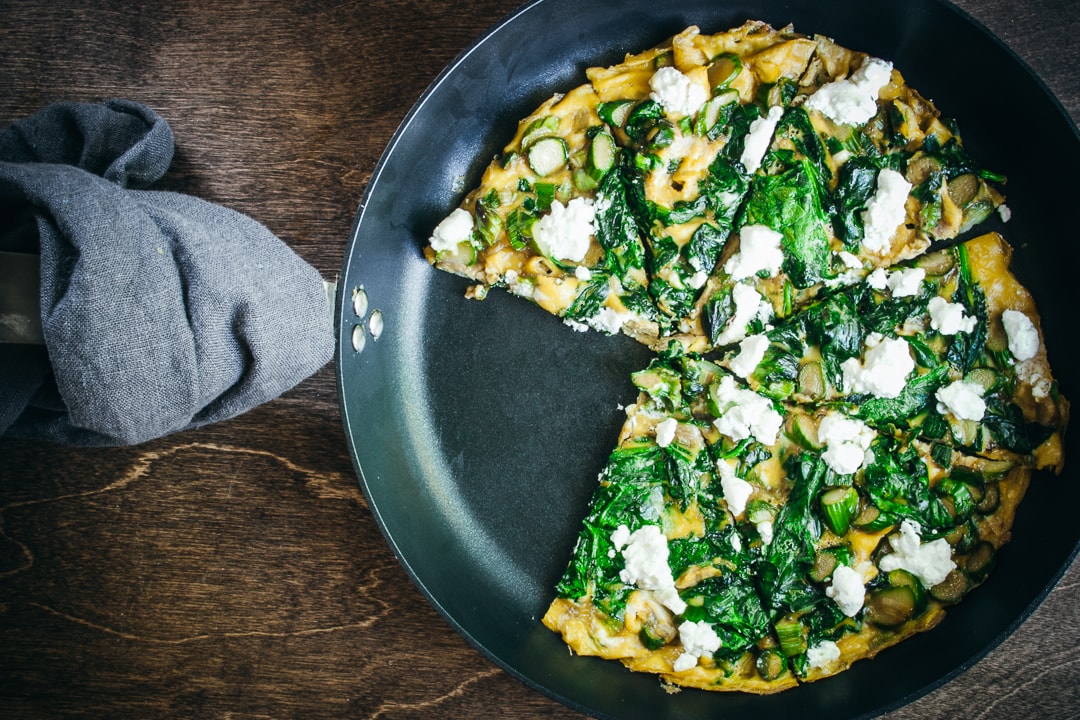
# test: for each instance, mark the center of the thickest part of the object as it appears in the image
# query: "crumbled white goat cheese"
(765, 530)
(847, 590)
(744, 413)
(758, 138)
(1023, 337)
(948, 318)
(885, 211)
(884, 370)
(823, 654)
(748, 305)
(676, 92)
(736, 490)
(564, 233)
(455, 229)
(878, 279)
(645, 552)
(853, 100)
(698, 639)
(851, 261)
(906, 282)
(930, 562)
(665, 431)
(751, 352)
(846, 442)
(759, 250)
(963, 399)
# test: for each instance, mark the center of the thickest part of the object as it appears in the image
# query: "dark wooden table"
(235, 571)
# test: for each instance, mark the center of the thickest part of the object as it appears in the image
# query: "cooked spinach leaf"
(675, 301)
(795, 127)
(633, 475)
(730, 603)
(660, 251)
(723, 188)
(777, 372)
(916, 397)
(705, 246)
(954, 160)
(638, 301)
(788, 558)
(1006, 424)
(684, 211)
(779, 93)
(828, 622)
(589, 300)
(856, 183)
(716, 547)
(663, 384)
(642, 210)
(668, 271)
(641, 119)
(616, 228)
(791, 203)
(686, 467)
(899, 485)
(892, 312)
(834, 324)
(966, 348)
(738, 127)
(716, 313)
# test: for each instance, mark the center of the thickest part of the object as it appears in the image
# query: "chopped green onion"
(545, 193)
(839, 505)
(547, 155)
(724, 69)
(712, 112)
(601, 157)
(614, 113)
(539, 128)
(792, 636)
(519, 228)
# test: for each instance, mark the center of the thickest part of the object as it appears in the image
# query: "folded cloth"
(160, 311)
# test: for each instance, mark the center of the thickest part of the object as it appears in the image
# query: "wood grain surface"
(235, 571)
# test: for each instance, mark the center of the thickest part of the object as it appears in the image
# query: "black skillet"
(478, 428)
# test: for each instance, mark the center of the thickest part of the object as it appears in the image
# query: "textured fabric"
(160, 311)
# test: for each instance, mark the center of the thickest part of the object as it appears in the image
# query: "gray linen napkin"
(160, 311)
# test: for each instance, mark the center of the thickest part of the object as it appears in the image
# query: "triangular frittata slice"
(613, 203)
(854, 170)
(829, 552)
(659, 578)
